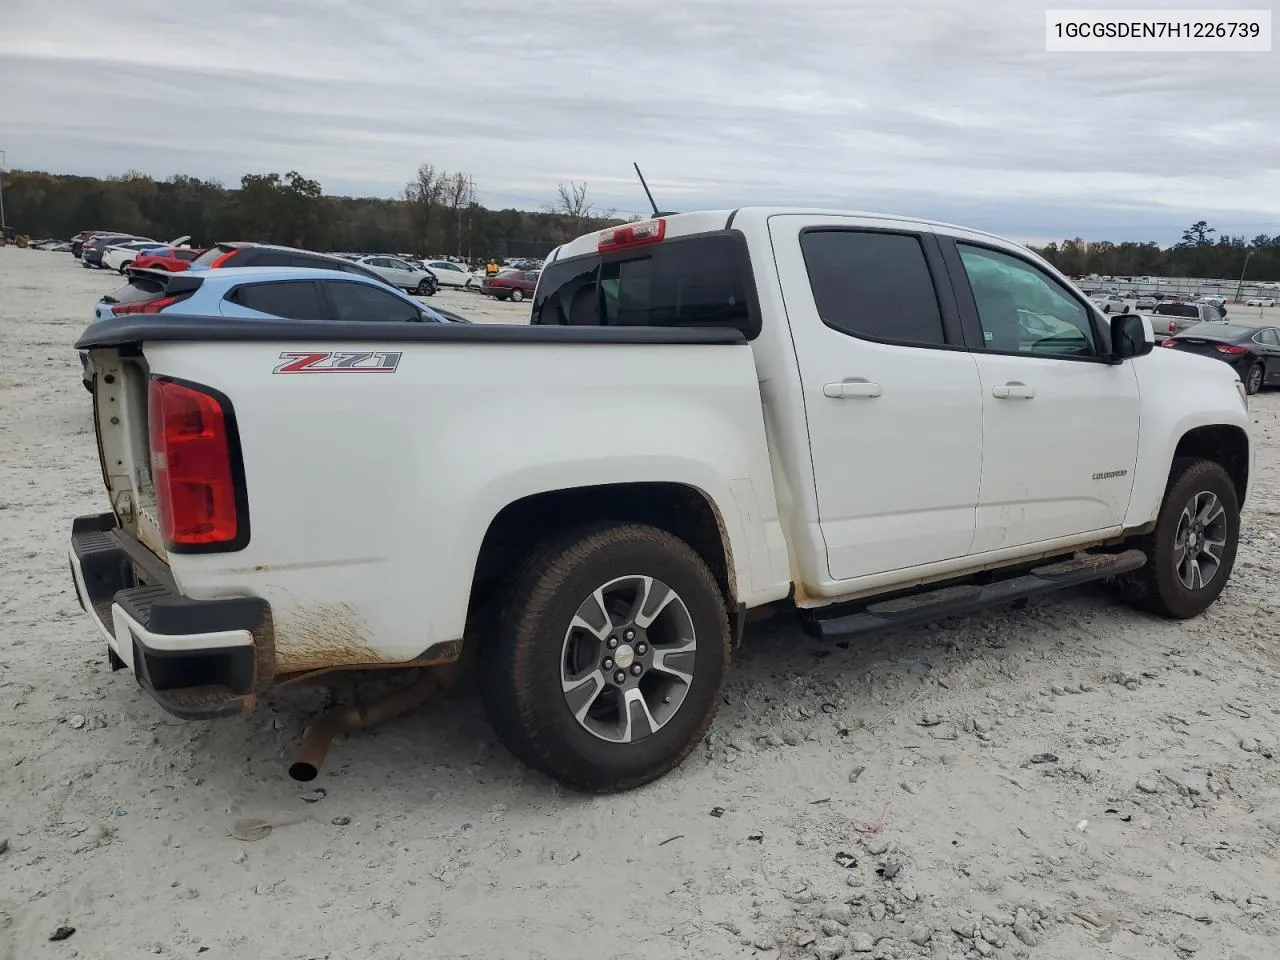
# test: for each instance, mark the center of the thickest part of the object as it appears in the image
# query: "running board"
(965, 598)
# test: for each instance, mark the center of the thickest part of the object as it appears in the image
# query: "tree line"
(1198, 254)
(438, 213)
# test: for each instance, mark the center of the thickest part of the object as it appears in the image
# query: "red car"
(513, 284)
(173, 259)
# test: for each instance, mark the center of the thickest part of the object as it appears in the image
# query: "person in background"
(491, 268)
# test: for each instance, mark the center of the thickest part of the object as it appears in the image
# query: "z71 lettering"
(339, 362)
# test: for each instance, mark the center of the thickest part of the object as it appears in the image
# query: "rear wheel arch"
(684, 511)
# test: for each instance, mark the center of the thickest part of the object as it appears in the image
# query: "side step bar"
(966, 598)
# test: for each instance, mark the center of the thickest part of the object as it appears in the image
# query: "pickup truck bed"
(869, 420)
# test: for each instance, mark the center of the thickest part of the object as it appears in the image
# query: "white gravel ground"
(1153, 834)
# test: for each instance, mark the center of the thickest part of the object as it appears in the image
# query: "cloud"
(947, 109)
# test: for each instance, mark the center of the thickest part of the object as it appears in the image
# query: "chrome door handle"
(1013, 390)
(853, 387)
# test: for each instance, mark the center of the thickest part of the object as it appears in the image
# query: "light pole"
(2, 165)
(1240, 285)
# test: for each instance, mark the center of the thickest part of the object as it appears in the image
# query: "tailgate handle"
(1013, 390)
(853, 387)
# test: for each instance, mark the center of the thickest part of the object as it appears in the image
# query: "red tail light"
(222, 260)
(198, 484)
(632, 235)
(1230, 349)
(152, 306)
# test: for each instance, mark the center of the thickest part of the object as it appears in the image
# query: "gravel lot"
(882, 799)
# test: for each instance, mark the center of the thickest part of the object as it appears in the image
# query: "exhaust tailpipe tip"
(303, 772)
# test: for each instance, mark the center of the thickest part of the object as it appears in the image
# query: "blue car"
(290, 293)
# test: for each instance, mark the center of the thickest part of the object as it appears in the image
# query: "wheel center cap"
(624, 656)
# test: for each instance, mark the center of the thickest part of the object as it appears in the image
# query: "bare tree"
(423, 193)
(572, 201)
(459, 194)
(579, 212)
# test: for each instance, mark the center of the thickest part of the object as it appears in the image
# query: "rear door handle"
(853, 387)
(1013, 390)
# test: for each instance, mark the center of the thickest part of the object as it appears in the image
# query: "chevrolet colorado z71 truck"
(871, 420)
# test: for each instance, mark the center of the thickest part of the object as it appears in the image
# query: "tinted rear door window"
(697, 282)
(872, 284)
(291, 299)
(357, 301)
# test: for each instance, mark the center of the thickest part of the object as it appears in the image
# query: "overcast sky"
(949, 109)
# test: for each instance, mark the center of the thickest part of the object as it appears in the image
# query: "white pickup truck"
(871, 421)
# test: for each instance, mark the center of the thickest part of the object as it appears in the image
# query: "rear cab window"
(697, 281)
(1177, 310)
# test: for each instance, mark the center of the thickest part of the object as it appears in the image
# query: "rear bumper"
(197, 658)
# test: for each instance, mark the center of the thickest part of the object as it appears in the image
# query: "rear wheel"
(604, 664)
(124, 267)
(1253, 379)
(517, 295)
(425, 288)
(1192, 550)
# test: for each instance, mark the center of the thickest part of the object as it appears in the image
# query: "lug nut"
(631, 635)
(636, 669)
(620, 677)
(613, 642)
(642, 648)
(608, 663)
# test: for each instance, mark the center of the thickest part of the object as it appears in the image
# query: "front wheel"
(1253, 379)
(517, 296)
(1192, 550)
(604, 665)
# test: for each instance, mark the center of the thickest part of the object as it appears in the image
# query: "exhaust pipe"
(319, 736)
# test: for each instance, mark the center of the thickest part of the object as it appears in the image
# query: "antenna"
(656, 211)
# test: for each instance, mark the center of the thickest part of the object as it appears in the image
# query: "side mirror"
(1131, 336)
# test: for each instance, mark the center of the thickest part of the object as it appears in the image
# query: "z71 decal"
(339, 362)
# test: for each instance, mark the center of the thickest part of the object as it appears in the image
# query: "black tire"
(517, 296)
(1254, 378)
(1157, 587)
(523, 653)
(425, 288)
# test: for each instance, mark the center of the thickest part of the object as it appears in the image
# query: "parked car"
(173, 259)
(1111, 303)
(247, 254)
(402, 274)
(1253, 352)
(1260, 302)
(120, 256)
(81, 238)
(292, 293)
(1169, 317)
(1145, 303)
(514, 285)
(96, 247)
(452, 274)
(705, 416)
